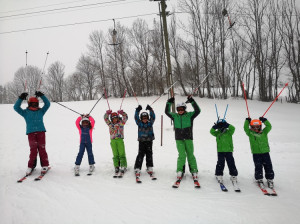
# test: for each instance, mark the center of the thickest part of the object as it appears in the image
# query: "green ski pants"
(186, 150)
(118, 150)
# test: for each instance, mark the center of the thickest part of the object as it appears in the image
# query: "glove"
(108, 111)
(263, 119)
(149, 107)
(23, 96)
(139, 108)
(225, 125)
(189, 99)
(171, 100)
(215, 126)
(248, 119)
(120, 111)
(39, 94)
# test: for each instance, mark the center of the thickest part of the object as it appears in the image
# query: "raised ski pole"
(106, 98)
(217, 111)
(123, 98)
(132, 89)
(67, 107)
(199, 84)
(245, 99)
(43, 71)
(25, 84)
(96, 104)
(163, 93)
(225, 112)
(275, 99)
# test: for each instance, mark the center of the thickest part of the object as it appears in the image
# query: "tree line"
(261, 50)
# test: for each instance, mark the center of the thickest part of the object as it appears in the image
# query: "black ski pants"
(145, 148)
(222, 156)
(263, 161)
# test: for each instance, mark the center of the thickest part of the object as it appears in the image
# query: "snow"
(63, 198)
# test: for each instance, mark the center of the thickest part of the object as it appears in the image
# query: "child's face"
(180, 110)
(115, 120)
(85, 123)
(144, 120)
(256, 128)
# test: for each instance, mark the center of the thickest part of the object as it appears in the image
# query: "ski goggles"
(256, 127)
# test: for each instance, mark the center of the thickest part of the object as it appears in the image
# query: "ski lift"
(114, 35)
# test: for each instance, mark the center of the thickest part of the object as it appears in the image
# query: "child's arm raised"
(106, 117)
(77, 122)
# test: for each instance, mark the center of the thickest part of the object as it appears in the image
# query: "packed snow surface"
(62, 198)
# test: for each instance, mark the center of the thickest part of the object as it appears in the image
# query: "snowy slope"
(62, 198)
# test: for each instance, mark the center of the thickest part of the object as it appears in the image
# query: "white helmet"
(182, 104)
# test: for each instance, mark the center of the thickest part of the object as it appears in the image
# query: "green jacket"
(183, 123)
(259, 142)
(224, 139)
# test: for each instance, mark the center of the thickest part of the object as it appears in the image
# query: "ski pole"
(132, 89)
(67, 108)
(199, 85)
(25, 84)
(43, 71)
(123, 98)
(96, 104)
(225, 112)
(163, 93)
(245, 99)
(106, 98)
(275, 99)
(217, 112)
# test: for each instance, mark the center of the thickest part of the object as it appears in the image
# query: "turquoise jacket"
(33, 119)
(224, 139)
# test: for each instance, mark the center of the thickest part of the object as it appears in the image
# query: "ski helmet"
(144, 114)
(182, 104)
(33, 100)
(255, 122)
(85, 119)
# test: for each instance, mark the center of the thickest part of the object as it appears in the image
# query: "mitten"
(263, 119)
(149, 107)
(139, 108)
(171, 100)
(248, 119)
(39, 94)
(120, 111)
(189, 99)
(108, 111)
(23, 96)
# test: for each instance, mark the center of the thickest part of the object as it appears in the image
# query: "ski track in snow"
(63, 198)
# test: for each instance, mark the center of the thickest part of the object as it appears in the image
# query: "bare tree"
(55, 81)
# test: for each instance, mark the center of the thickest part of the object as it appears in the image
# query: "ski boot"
(76, 170)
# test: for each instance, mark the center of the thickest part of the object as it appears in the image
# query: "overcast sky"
(67, 43)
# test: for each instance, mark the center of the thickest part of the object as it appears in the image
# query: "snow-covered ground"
(62, 198)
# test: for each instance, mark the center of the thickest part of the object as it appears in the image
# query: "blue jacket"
(145, 130)
(33, 119)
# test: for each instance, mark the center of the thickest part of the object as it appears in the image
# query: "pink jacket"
(79, 126)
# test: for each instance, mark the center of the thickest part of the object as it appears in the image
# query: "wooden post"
(161, 130)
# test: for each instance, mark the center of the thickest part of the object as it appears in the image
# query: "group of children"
(183, 125)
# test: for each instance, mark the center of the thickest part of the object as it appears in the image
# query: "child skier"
(260, 149)
(116, 131)
(145, 138)
(183, 124)
(35, 129)
(223, 133)
(85, 125)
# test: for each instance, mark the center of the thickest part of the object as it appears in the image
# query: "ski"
(25, 177)
(196, 184)
(177, 183)
(137, 178)
(273, 192)
(116, 175)
(89, 173)
(235, 186)
(223, 188)
(151, 174)
(263, 188)
(121, 174)
(42, 175)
